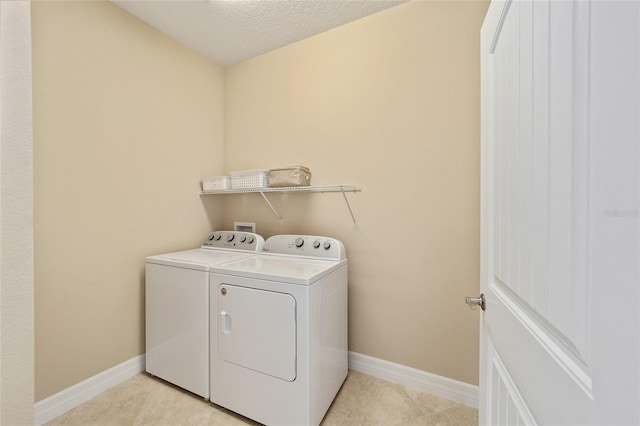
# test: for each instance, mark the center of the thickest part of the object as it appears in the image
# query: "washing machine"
(279, 330)
(177, 307)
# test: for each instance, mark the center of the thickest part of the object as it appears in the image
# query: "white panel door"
(560, 254)
(257, 330)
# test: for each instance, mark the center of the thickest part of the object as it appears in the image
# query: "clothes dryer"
(177, 307)
(279, 330)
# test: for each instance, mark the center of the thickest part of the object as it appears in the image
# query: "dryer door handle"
(225, 322)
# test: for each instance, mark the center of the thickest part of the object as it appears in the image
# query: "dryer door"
(257, 330)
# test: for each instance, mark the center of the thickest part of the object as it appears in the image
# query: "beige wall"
(389, 103)
(126, 124)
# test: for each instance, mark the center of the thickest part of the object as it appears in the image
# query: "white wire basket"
(249, 179)
(214, 183)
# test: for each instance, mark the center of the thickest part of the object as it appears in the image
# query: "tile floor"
(363, 400)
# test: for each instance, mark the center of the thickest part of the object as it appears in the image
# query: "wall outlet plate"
(244, 226)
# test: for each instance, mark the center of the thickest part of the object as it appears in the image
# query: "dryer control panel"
(234, 240)
(306, 245)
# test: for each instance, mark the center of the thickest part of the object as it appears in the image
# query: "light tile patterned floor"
(363, 400)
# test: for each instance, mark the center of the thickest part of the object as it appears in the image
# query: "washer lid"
(287, 269)
(200, 259)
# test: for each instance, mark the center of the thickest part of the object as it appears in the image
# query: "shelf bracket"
(271, 207)
(346, 200)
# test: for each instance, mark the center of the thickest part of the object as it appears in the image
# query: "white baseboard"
(63, 401)
(55, 405)
(443, 387)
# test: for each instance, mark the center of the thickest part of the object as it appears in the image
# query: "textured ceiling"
(230, 31)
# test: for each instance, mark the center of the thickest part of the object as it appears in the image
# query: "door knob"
(476, 301)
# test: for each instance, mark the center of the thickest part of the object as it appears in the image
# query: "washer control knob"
(251, 240)
(211, 237)
(230, 237)
(244, 239)
(299, 242)
(316, 244)
(326, 245)
(218, 236)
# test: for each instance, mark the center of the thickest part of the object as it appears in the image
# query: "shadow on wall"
(292, 208)
(213, 207)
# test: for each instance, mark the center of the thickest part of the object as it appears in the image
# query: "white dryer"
(177, 307)
(279, 330)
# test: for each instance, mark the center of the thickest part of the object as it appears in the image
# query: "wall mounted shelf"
(315, 188)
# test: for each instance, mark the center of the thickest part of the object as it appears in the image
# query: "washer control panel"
(234, 240)
(305, 245)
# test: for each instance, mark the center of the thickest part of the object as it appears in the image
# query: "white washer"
(177, 307)
(279, 330)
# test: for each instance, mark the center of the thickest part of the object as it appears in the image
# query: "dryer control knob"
(251, 240)
(316, 244)
(244, 239)
(230, 237)
(326, 245)
(299, 242)
(218, 236)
